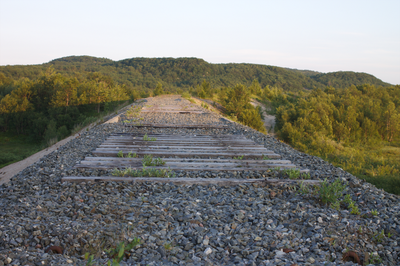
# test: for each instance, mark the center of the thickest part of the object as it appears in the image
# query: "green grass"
(378, 165)
(15, 148)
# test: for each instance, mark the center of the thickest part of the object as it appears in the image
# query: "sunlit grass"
(378, 165)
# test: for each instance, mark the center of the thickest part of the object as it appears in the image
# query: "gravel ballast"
(246, 224)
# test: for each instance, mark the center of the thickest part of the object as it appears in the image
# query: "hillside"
(344, 79)
(145, 73)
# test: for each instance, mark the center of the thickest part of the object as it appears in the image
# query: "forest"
(175, 75)
(38, 112)
(349, 119)
(356, 128)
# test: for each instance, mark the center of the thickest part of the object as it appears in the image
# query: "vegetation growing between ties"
(144, 172)
(148, 160)
(146, 138)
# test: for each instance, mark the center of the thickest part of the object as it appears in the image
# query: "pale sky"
(322, 35)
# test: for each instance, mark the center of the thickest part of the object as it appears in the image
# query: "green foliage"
(378, 237)
(374, 259)
(188, 72)
(120, 154)
(292, 173)
(131, 155)
(357, 128)
(90, 259)
(344, 79)
(335, 205)
(303, 188)
(374, 212)
(353, 208)
(204, 105)
(148, 160)
(116, 254)
(168, 246)
(236, 102)
(265, 157)
(186, 95)
(133, 112)
(51, 105)
(146, 138)
(238, 157)
(330, 193)
(158, 90)
(306, 176)
(145, 172)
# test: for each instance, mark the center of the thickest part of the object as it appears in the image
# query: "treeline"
(49, 106)
(345, 126)
(176, 75)
(356, 115)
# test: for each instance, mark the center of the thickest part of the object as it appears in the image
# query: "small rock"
(208, 251)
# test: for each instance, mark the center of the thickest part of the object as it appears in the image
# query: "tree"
(66, 93)
(236, 100)
(255, 87)
(158, 90)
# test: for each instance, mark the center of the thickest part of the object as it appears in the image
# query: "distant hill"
(143, 73)
(344, 79)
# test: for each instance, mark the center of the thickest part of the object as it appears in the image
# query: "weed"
(304, 188)
(374, 212)
(133, 112)
(238, 158)
(265, 157)
(354, 209)
(389, 235)
(90, 259)
(146, 138)
(120, 154)
(330, 193)
(168, 246)
(292, 173)
(335, 205)
(359, 230)
(204, 105)
(378, 237)
(118, 253)
(347, 199)
(306, 176)
(149, 161)
(130, 155)
(145, 172)
(374, 259)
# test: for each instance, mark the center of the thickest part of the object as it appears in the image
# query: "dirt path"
(269, 120)
(7, 172)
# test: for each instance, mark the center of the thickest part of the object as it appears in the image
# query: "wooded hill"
(145, 73)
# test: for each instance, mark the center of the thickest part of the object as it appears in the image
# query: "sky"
(324, 36)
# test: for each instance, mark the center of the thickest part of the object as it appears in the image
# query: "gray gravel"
(189, 225)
